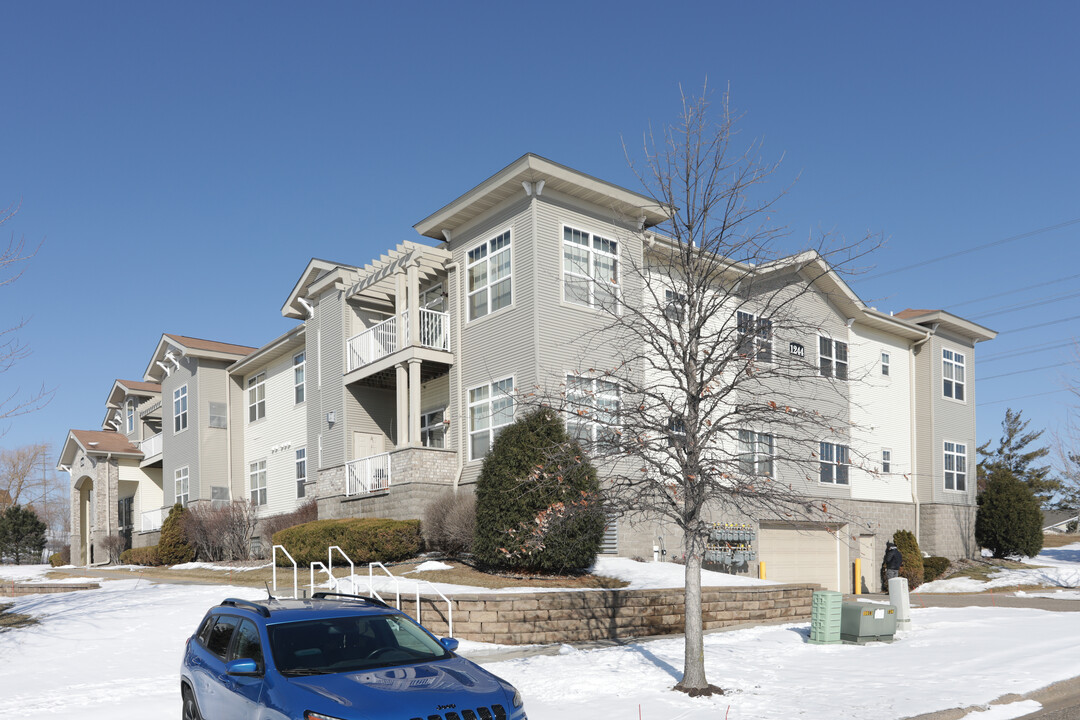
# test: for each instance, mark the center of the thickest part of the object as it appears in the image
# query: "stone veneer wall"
(948, 530)
(525, 618)
(417, 476)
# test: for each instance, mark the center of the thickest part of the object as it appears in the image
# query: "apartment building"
(401, 371)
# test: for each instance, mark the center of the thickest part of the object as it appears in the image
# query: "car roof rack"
(345, 596)
(237, 602)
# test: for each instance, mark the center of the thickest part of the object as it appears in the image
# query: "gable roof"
(316, 270)
(530, 168)
(171, 345)
(96, 442)
(933, 319)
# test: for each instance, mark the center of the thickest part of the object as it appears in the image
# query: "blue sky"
(183, 161)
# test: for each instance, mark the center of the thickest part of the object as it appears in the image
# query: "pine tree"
(173, 547)
(537, 500)
(22, 534)
(1008, 521)
(1012, 454)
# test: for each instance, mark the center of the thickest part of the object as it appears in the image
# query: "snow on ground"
(23, 573)
(1060, 567)
(221, 568)
(115, 652)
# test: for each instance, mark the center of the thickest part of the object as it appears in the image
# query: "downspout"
(108, 493)
(914, 437)
(460, 414)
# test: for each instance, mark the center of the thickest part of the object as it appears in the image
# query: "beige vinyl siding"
(370, 410)
(147, 487)
(953, 421)
(276, 437)
(180, 449)
(330, 320)
(213, 442)
(500, 344)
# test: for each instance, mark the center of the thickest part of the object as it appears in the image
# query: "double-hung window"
(886, 460)
(130, 415)
(489, 279)
(832, 358)
(432, 429)
(674, 306)
(182, 486)
(834, 463)
(301, 471)
(885, 362)
(755, 453)
(755, 336)
(955, 466)
(952, 373)
(299, 366)
(593, 410)
(590, 269)
(180, 409)
(257, 480)
(491, 408)
(256, 397)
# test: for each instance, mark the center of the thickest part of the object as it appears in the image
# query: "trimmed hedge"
(934, 567)
(912, 569)
(141, 556)
(363, 540)
(61, 558)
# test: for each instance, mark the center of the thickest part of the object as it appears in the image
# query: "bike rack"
(273, 556)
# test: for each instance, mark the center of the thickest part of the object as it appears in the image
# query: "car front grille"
(495, 712)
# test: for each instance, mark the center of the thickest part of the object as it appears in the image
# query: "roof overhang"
(172, 347)
(377, 280)
(944, 320)
(89, 446)
(315, 271)
(532, 169)
(271, 351)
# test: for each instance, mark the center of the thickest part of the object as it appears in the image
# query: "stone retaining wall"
(10, 589)
(526, 618)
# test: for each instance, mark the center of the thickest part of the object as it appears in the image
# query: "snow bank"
(1060, 567)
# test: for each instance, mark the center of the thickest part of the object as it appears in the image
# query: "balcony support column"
(413, 277)
(402, 438)
(399, 309)
(414, 402)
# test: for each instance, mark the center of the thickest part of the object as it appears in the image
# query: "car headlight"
(312, 715)
(517, 701)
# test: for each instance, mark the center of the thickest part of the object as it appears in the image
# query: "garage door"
(800, 555)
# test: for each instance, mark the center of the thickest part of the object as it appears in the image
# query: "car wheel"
(191, 709)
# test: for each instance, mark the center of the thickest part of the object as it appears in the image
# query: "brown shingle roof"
(910, 313)
(105, 441)
(140, 386)
(211, 345)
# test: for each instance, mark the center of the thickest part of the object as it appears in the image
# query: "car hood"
(416, 690)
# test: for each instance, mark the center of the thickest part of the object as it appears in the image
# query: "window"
(755, 453)
(218, 642)
(130, 416)
(218, 413)
(256, 397)
(179, 408)
(298, 363)
(952, 373)
(674, 304)
(247, 645)
(755, 336)
(832, 358)
(885, 364)
(834, 463)
(181, 486)
(257, 478)
(488, 270)
(590, 268)
(886, 460)
(432, 429)
(301, 471)
(491, 408)
(955, 466)
(593, 410)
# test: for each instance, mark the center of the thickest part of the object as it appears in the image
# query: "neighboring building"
(400, 373)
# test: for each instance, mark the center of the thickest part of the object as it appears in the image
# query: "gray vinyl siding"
(180, 449)
(369, 410)
(329, 321)
(237, 415)
(954, 421)
(501, 344)
(214, 442)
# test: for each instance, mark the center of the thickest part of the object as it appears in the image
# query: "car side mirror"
(449, 643)
(244, 667)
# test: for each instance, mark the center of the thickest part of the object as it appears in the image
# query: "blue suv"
(332, 657)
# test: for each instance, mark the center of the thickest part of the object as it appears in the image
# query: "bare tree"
(13, 261)
(703, 417)
(27, 477)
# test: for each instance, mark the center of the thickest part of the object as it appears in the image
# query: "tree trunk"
(693, 682)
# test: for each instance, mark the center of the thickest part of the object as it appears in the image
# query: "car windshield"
(347, 644)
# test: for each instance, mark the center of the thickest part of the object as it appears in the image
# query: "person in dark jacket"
(893, 561)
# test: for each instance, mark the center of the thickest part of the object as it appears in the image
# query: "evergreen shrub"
(61, 558)
(1008, 521)
(173, 547)
(912, 567)
(934, 567)
(140, 556)
(537, 500)
(364, 540)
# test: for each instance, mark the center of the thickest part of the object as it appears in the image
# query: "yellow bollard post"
(858, 576)
(761, 570)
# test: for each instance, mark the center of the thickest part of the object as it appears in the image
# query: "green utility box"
(861, 623)
(825, 617)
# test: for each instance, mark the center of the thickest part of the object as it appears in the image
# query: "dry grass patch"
(1055, 540)
(13, 621)
(463, 574)
(981, 569)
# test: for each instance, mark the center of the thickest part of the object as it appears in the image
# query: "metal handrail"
(449, 605)
(273, 561)
(392, 576)
(325, 570)
(352, 567)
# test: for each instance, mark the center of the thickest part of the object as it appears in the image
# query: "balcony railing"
(152, 519)
(381, 340)
(151, 446)
(367, 475)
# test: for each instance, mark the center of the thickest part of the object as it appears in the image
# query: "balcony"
(152, 519)
(367, 475)
(150, 448)
(381, 341)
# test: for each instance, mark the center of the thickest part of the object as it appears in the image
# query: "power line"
(1022, 397)
(1032, 327)
(1045, 300)
(984, 246)
(1021, 372)
(1013, 292)
(1024, 351)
